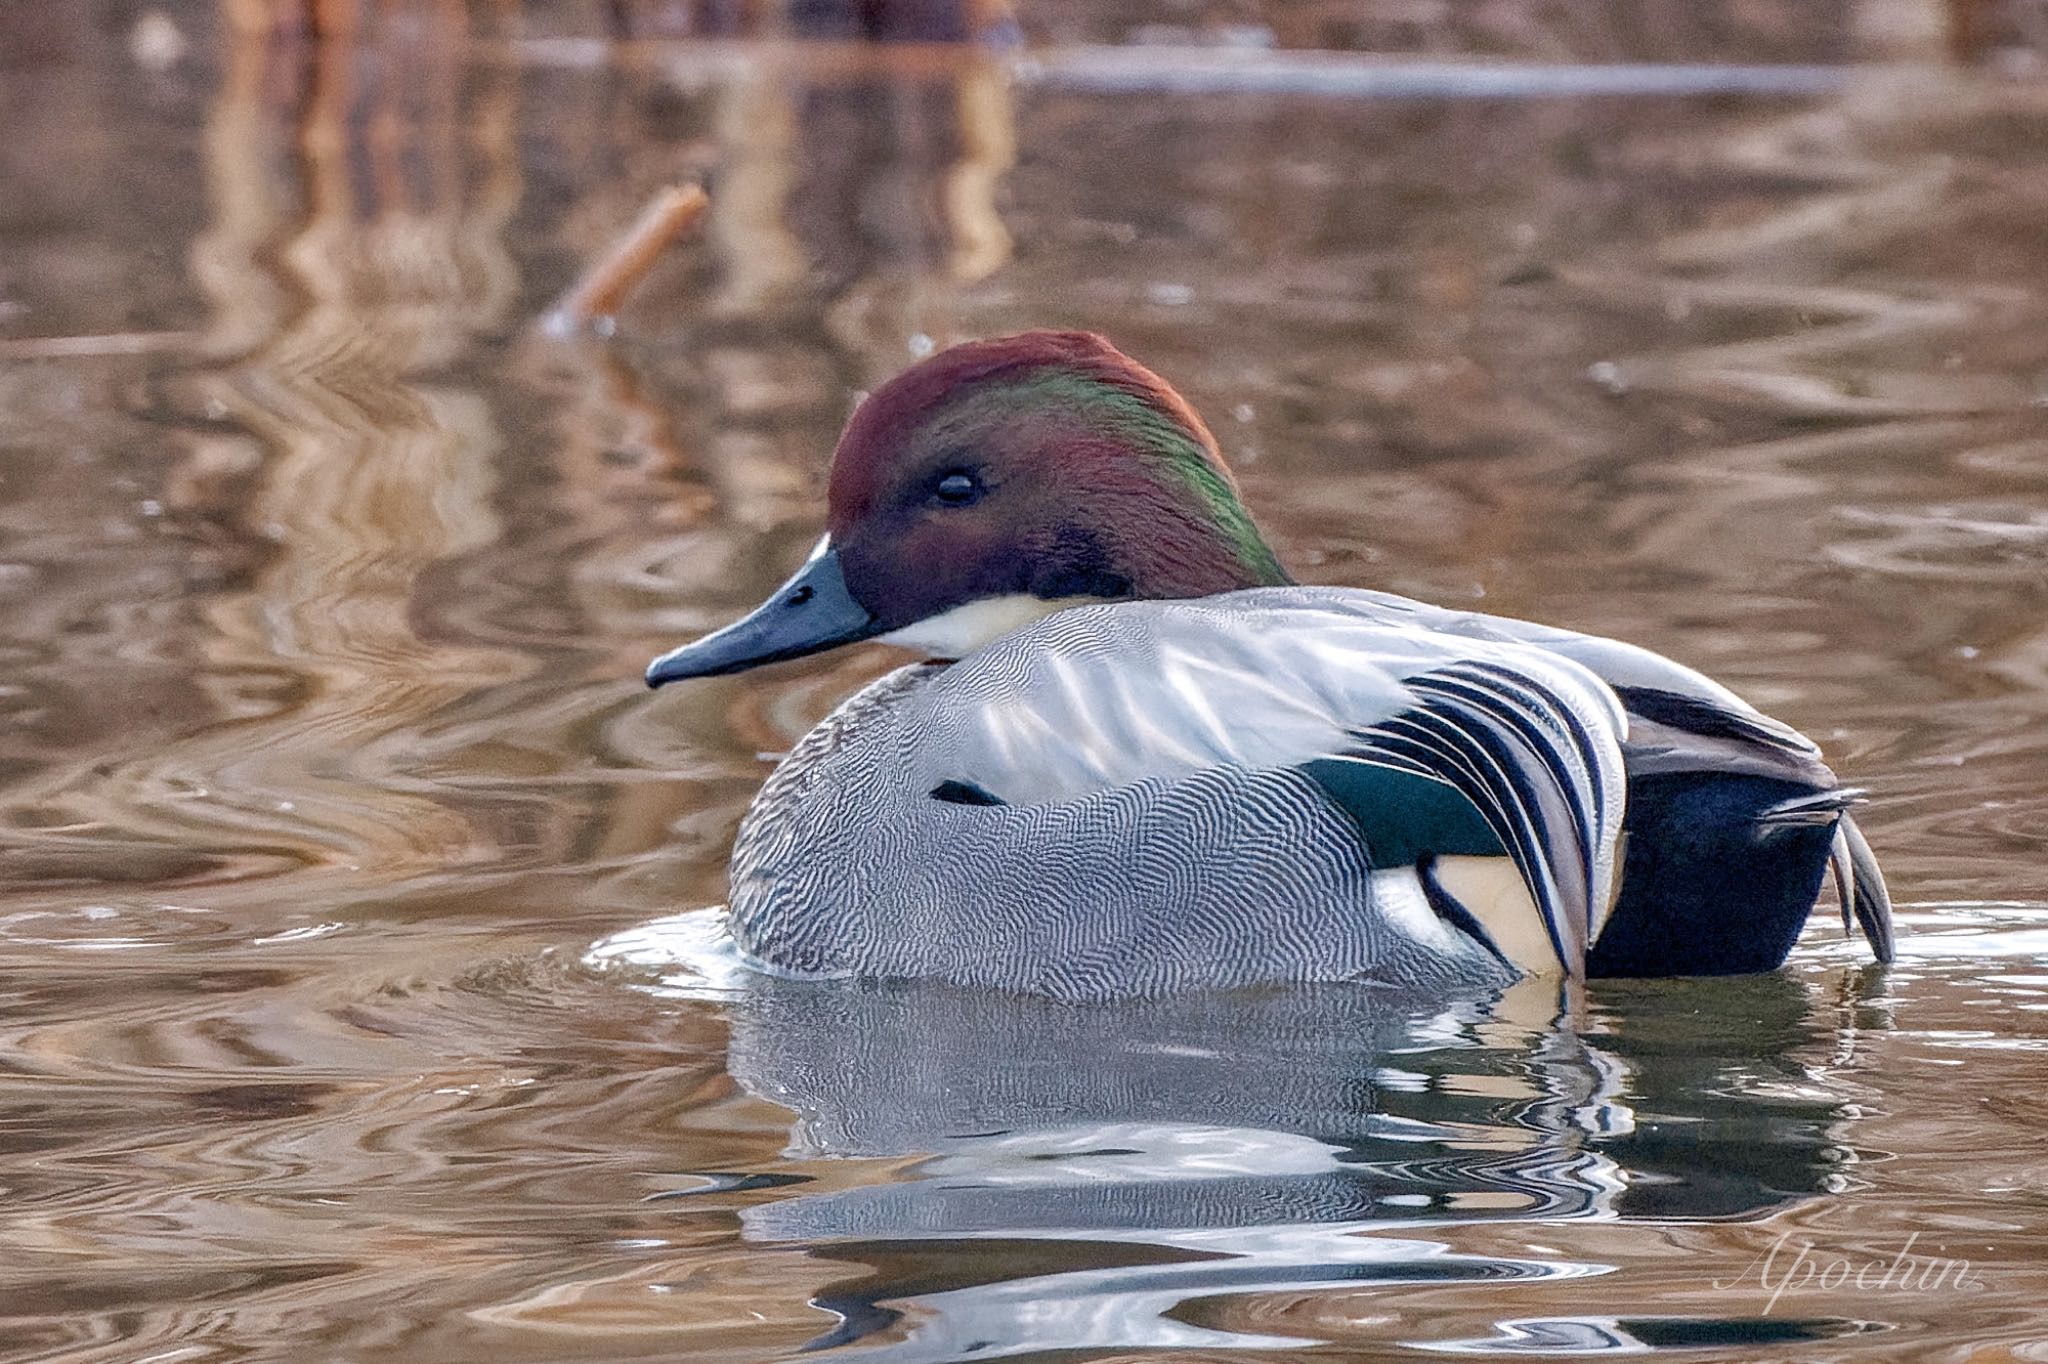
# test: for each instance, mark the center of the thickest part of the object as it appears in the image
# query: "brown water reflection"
(324, 762)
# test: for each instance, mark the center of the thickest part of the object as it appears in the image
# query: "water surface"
(356, 1001)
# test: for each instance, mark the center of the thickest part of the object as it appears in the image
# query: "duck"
(1135, 756)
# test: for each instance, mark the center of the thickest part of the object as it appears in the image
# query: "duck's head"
(993, 484)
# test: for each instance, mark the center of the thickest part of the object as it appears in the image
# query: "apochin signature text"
(1795, 1266)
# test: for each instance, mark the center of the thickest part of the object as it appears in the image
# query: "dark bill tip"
(810, 613)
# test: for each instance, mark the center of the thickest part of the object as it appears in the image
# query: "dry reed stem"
(602, 289)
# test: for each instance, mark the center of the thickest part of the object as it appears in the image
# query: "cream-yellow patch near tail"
(1492, 891)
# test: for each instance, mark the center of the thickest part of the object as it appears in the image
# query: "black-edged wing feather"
(1528, 760)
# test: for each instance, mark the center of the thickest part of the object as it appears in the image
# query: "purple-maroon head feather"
(1048, 464)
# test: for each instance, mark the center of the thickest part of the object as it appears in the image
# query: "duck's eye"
(957, 489)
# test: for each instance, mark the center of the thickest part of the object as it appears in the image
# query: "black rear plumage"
(1721, 867)
(1709, 885)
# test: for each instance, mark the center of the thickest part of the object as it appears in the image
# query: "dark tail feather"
(1811, 807)
(1845, 877)
(1861, 886)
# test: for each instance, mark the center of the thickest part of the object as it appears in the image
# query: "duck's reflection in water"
(1080, 1178)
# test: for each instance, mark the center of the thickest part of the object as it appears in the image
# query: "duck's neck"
(1181, 527)
(1234, 551)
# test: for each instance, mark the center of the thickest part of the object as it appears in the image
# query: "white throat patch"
(960, 631)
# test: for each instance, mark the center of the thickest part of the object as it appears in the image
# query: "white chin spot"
(962, 630)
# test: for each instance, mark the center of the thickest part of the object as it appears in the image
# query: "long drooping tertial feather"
(1514, 749)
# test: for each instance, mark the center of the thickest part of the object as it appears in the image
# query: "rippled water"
(357, 999)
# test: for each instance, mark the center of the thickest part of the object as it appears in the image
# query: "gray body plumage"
(1157, 830)
(1226, 876)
